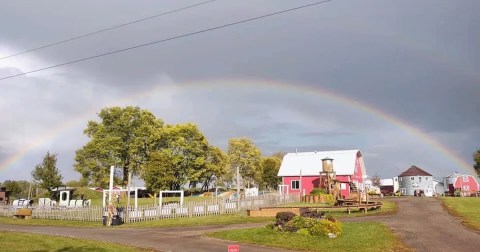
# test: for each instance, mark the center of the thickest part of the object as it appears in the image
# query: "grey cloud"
(415, 61)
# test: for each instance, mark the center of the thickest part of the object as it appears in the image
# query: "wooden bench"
(23, 213)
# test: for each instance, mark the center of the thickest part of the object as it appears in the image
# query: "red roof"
(414, 171)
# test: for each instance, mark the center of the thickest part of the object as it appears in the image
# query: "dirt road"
(422, 224)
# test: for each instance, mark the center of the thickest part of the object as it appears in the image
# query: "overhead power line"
(104, 30)
(168, 39)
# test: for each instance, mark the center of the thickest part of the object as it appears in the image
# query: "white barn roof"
(311, 163)
(386, 182)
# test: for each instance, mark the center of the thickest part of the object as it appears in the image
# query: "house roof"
(456, 175)
(386, 182)
(414, 171)
(310, 163)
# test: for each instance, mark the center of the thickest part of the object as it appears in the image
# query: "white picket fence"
(211, 206)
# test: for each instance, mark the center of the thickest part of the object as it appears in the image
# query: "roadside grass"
(222, 219)
(46, 222)
(357, 236)
(467, 208)
(16, 241)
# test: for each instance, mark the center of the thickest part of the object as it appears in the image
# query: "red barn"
(348, 165)
(466, 184)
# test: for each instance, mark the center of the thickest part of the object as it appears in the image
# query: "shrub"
(285, 216)
(318, 191)
(300, 222)
(297, 222)
(308, 213)
(303, 231)
(282, 219)
(324, 227)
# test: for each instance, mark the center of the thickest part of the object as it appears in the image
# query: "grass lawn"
(468, 209)
(13, 241)
(360, 236)
(46, 222)
(222, 219)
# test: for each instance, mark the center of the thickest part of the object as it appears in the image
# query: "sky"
(398, 80)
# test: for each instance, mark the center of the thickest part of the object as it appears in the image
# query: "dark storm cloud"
(414, 60)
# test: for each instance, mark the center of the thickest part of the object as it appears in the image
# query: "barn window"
(400, 179)
(426, 178)
(403, 190)
(419, 179)
(295, 184)
(465, 179)
(412, 178)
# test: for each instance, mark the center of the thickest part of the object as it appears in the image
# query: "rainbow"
(249, 84)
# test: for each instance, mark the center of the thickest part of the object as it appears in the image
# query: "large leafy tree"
(47, 174)
(18, 189)
(245, 156)
(270, 178)
(160, 172)
(181, 156)
(279, 155)
(123, 137)
(215, 168)
(476, 159)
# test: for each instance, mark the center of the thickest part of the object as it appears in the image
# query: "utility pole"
(238, 186)
(129, 185)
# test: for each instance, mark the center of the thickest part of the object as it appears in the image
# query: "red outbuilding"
(300, 171)
(464, 184)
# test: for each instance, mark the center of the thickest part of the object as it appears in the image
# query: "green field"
(468, 209)
(222, 219)
(361, 236)
(13, 241)
(46, 222)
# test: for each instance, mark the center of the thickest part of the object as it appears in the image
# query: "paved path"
(421, 223)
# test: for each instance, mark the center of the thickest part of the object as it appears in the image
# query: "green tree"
(245, 156)
(183, 153)
(375, 180)
(74, 183)
(270, 178)
(279, 155)
(476, 159)
(18, 189)
(124, 137)
(47, 174)
(160, 172)
(215, 169)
